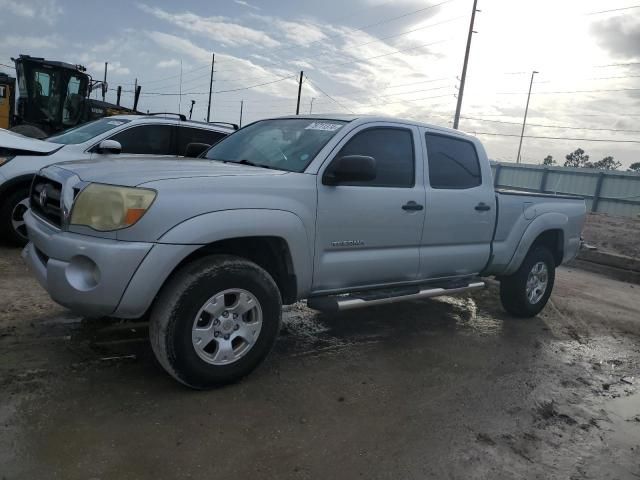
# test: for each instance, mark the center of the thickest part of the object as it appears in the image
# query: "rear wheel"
(12, 212)
(215, 321)
(526, 292)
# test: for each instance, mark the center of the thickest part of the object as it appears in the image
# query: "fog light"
(82, 273)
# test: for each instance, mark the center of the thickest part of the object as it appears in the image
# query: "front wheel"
(215, 321)
(12, 212)
(526, 292)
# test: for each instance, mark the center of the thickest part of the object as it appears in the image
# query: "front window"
(73, 102)
(285, 144)
(87, 131)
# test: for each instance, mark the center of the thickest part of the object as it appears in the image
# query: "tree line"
(579, 159)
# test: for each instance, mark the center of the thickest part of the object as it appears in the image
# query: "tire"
(12, 210)
(514, 294)
(30, 131)
(179, 309)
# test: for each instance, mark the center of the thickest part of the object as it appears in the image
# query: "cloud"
(220, 29)
(620, 36)
(168, 63)
(47, 11)
(34, 43)
(246, 4)
(180, 45)
(300, 33)
(114, 68)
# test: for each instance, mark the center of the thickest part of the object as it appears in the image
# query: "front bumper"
(88, 275)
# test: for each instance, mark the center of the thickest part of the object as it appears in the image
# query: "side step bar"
(336, 303)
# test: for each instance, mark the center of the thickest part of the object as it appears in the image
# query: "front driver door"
(368, 233)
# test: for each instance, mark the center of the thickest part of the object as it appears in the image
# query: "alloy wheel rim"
(17, 218)
(227, 326)
(537, 282)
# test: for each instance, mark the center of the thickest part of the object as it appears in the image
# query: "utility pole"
(241, 108)
(118, 95)
(311, 106)
(104, 82)
(524, 122)
(456, 119)
(193, 102)
(299, 92)
(213, 61)
(180, 91)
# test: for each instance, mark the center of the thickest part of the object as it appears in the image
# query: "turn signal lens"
(108, 207)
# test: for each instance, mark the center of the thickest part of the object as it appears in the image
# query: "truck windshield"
(86, 131)
(284, 144)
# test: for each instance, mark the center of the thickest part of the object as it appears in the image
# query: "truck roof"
(378, 118)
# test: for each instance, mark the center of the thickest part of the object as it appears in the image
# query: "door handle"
(412, 206)
(483, 207)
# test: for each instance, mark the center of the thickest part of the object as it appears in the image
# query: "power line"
(558, 138)
(613, 10)
(551, 126)
(217, 91)
(570, 91)
(381, 39)
(369, 26)
(329, 96)
(385, 54)
(8, 66)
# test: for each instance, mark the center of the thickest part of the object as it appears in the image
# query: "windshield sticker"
(324, 126)
(114, 122)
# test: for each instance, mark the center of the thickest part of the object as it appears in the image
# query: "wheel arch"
(546, 230)
(13, 184)
(275, 240)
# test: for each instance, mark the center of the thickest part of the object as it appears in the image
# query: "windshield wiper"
(251, 164)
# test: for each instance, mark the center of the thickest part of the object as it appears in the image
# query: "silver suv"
(157, 134)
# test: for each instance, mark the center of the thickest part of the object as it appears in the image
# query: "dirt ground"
(619, 235)
(444, 388)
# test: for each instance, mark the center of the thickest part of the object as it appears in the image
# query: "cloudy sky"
(398, 57)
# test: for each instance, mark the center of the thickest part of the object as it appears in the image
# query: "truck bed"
(518, 211)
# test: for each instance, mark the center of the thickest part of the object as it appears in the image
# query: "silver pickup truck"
(343, 211)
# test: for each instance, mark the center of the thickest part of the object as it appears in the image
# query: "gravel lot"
(620, 235)
(443, 388)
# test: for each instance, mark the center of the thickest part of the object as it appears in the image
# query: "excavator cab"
(52, 95)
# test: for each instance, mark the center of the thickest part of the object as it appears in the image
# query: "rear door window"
(149, 139)
(187, 135)
(453, 163)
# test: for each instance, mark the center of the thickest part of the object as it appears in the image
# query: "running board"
(335, 303)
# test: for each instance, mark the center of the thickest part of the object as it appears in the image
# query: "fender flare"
(228, 224)
(546, 221)
(194, 233)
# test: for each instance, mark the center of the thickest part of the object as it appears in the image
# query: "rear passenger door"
(187, 135)
(460, 209)
(368, 233)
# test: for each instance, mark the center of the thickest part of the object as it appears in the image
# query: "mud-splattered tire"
(526, 292)
(12, 210)
(215, 321)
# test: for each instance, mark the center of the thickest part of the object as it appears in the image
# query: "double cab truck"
(343, 211)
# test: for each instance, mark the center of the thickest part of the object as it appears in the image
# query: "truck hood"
(133, 171)
(25, 145)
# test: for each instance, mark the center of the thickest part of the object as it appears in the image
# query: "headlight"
(5, 158)
(107, 207)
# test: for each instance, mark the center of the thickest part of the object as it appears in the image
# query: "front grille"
(47, 205)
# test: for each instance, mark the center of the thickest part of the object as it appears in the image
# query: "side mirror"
(194, 150)
(109, 146)
(350, 168)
